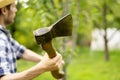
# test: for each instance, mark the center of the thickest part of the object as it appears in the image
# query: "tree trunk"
(64, 40)
(75, 32)
(106, 50)
(65, 71)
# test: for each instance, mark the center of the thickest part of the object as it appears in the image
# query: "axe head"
(63, 27)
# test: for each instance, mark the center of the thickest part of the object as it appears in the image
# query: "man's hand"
(50, 64)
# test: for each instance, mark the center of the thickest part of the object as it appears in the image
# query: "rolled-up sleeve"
(19, 49)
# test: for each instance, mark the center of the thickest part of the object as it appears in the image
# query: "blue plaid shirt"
(10, 51)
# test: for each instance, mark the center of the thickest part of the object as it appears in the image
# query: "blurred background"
(93, 50)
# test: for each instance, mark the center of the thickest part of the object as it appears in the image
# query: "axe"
(44, 36)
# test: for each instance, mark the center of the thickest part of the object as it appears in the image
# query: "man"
(11, 50)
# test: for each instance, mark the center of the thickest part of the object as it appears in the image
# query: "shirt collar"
(1, 27)
(4, 30)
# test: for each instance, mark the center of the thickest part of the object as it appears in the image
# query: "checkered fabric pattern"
(10, 51)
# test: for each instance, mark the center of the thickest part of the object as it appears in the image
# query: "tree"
(106, 19)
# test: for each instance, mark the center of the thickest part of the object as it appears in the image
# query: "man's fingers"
(63, 62)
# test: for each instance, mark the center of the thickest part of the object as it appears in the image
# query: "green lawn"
(86, 66)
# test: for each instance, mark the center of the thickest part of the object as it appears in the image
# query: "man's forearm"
(31, 56)
(25, 75)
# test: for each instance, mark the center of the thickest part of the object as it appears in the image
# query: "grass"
(87, 65)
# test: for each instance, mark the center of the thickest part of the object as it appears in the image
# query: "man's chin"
(11, 22)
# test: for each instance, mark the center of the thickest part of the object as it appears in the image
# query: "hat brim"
(4, 3)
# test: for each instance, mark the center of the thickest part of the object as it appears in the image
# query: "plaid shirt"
(10, 51)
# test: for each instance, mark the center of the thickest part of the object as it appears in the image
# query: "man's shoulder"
(2, 35)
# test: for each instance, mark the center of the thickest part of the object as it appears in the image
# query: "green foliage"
(87, 14)
(111, 13)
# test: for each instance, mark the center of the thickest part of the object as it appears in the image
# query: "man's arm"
(46, 64)
(31, 56)
(25, 75)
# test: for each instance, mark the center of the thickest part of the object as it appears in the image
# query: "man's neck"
(2, 22)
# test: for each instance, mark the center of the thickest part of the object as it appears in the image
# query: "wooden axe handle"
(51, 53)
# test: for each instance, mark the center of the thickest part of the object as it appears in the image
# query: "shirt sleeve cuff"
(4, 72)
(21, 51)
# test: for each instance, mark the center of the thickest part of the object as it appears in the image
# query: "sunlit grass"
(87, 65)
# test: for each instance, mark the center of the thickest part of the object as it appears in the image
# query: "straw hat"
(4, 3)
